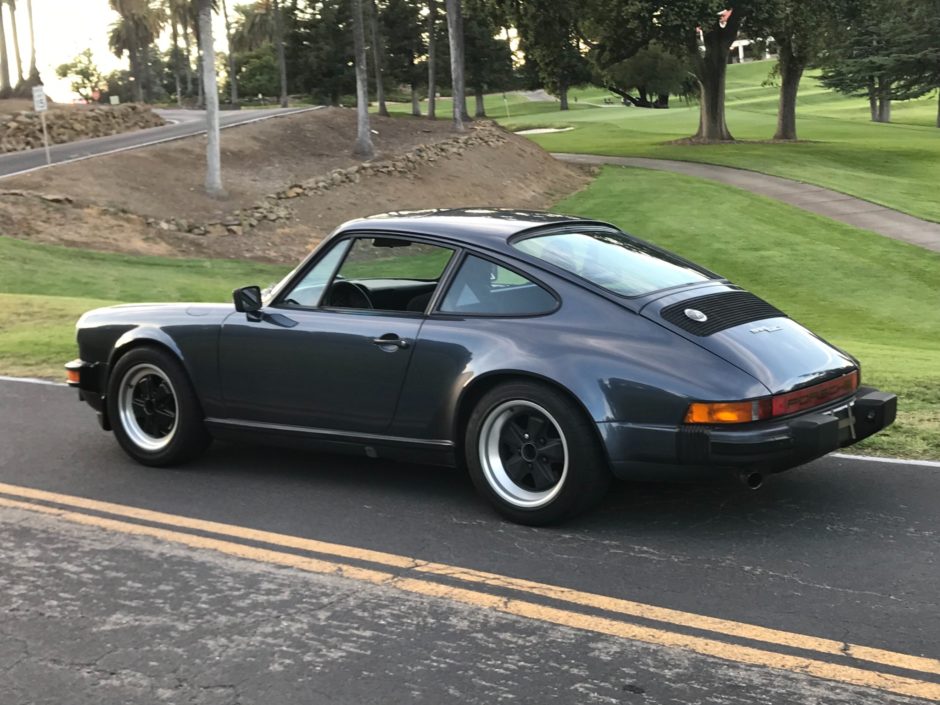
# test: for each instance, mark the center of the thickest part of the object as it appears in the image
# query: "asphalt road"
(184, 123)
(842, 549)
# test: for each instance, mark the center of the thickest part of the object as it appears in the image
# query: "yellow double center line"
(475, 588)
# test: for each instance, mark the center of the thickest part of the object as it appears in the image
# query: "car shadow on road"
(805, 499)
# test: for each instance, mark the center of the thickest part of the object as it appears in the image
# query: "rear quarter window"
(481, 288)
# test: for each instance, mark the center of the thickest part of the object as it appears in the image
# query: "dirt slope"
(104, 200)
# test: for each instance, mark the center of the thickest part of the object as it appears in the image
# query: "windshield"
(612, 260)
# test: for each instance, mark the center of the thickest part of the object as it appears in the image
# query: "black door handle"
(390, 339)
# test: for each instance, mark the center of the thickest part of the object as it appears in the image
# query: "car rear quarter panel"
(617, 364)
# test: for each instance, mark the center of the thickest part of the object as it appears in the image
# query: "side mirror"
(247, 299)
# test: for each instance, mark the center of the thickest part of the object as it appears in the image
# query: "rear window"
(613, 261)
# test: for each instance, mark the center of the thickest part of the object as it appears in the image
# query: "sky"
(65, 28)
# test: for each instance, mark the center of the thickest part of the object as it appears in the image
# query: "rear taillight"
(771, 407)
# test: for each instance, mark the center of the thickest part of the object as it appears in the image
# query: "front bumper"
(89, 379)
(771, 446)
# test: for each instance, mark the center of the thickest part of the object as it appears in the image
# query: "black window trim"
(351, 236)
(566, 228)
(436, 312)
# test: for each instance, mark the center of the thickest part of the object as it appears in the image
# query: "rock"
(55, 198)
(215, 229)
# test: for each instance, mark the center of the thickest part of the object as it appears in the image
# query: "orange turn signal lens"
(727, 412)
(72, 376)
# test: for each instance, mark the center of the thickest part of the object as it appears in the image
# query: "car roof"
(489, 227)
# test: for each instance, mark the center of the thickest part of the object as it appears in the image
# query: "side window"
(482, 287)
(308, 290)
(388, 274)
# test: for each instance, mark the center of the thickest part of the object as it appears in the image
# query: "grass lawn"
(44, 289)
(875, 297)
(896, 165)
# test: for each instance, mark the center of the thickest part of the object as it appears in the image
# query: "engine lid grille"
(719, 311)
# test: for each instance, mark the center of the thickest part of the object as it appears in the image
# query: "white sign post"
(40, 106)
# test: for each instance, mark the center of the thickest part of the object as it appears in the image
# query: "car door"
(331, 351)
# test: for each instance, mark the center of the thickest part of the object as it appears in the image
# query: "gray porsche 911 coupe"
(545, 353)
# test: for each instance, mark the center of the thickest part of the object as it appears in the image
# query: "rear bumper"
(773, 446)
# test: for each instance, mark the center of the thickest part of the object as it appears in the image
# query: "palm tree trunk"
(363, 148)
(16, 44)
(187, 42)
(213, 154)
(176, 62)
(5, 88)
(200, 86)
(33, 71)
(232, 75)
(455, 37)
(279, 43)
(377, 51)
(432, 81)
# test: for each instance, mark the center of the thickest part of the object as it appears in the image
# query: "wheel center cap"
(528, 452)
(148, 406)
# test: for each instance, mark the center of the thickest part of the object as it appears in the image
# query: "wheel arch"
(479, 386)
(145, 337)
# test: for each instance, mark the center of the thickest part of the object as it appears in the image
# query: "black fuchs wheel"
(153, 409)
(534, 455)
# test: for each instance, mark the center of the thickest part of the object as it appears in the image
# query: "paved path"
(102, 605)
(183, 123)
(822, 201)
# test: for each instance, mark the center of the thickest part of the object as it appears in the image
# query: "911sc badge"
(765, 329)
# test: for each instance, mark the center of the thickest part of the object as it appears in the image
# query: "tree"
(320, 51)
(16, 45)
(134, 33)
(5, 88)
(34, 79)
(653, 73)
(696, 31)
(363, 148)
(552, 39)
(432, 59)
(211, 93)
(87, 79)
(279, 45)
(232, 73)
(455, 43)
(401, 29)
(488, 58)
(378, 51)
(865, 57)
(920, 51)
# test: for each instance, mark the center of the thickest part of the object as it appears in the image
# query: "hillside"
(151, 200)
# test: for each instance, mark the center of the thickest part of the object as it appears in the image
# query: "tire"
(534, 455)
(153, 409)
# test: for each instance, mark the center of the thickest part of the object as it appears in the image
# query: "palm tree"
(455, 38)
(253, 26)
(16, 44)
(432, 83)
(211, 91)
(177, 12)
(279, 44)
(377, 51)
(232, 75)
(363, 147)
(5, 88)
(134, 32)
(34, 79)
